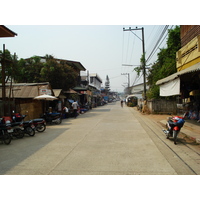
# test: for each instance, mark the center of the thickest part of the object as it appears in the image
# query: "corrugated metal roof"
(193, 68)
(24, 90)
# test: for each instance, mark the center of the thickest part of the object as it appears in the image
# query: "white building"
(95, 81)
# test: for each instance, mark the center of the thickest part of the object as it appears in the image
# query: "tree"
(166, 63)
(107, 84)
(32, 70)
(59, 74)
(10, 61)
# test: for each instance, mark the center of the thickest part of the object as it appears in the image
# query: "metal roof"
(193, 68)
(24, 90)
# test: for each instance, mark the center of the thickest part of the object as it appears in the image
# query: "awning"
(170, 88)
(193, 68)
(170, 85)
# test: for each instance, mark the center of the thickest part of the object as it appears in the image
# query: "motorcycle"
(36, 124)
(40, 124)
(16, 129)
(52, 118)
(28, 126)
(5, 137)
(174, 125)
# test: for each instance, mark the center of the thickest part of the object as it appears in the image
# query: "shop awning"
(170, 85)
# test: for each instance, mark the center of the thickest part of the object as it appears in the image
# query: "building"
(20, 98)
(6, 32)
(185, 83)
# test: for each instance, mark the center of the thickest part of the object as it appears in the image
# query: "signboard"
(45, 91)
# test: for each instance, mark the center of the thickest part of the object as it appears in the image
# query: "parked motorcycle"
(5, 137)
(16, 129)
(40, 124)
(52, 118)
(28, 126)
(174, 125)
(36, 124)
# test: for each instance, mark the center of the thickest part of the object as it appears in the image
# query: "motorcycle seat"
(16, 123)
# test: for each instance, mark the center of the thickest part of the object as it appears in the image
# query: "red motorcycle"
(174, 125)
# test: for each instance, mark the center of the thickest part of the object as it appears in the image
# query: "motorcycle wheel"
(20, 134)
(41, 127)
(30, 131)
(167, 135)
(175, 134)
(7, 138)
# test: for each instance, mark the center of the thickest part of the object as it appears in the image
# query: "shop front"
(186, 85)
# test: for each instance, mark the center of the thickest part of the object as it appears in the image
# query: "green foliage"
(32, 70)
(10, 64)
(166, 63)
(60, 75)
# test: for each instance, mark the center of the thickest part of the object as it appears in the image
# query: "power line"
(159, 44)
(162, 34)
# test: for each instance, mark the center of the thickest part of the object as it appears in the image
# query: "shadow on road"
(20, 149)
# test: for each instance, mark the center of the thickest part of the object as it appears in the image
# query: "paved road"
(106, 140)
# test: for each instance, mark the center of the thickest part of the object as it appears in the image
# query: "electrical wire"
(159, 45)
(161, 36)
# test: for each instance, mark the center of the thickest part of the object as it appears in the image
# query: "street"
(107, 140)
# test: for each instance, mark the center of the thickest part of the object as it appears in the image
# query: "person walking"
(75, 108)
(122, 103)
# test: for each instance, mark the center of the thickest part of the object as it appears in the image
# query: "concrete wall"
(162, 106)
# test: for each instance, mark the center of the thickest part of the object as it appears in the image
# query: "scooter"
(52, 118)
(5, 137)
(174, 125)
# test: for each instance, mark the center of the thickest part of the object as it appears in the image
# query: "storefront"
(186, 85)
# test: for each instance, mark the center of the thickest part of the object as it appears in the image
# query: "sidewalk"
(190, 130)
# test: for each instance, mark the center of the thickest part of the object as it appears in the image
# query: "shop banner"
(170, 88)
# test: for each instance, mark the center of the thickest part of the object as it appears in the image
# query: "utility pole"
(3, 79)
(143, 50)
(128, 78)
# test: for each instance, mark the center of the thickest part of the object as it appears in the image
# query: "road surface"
(107, 140)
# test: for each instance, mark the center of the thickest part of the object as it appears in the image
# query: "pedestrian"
(122, 103)
(75, 108)
(66, 112)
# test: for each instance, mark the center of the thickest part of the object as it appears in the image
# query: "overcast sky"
(102, 49)
(100, 44)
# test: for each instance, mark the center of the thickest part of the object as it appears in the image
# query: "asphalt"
(190, 130)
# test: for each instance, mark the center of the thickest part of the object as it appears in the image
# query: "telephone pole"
(128, 78)
(143, 50)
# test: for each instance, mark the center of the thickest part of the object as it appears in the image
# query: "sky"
(90, 32)
(102, 49)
